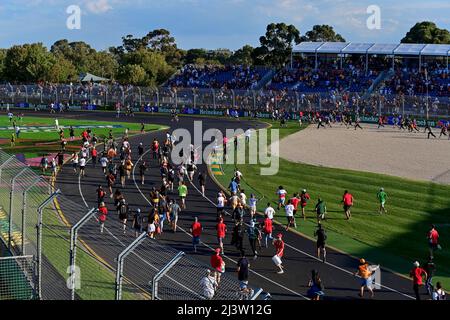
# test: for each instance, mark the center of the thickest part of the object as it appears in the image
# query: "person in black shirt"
(201, 181)
(242, 269)
(237, 238)
(430, 269)
(142, 168)
(141, 149)
(321, 236)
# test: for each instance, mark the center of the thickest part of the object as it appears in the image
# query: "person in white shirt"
(270, 212)
(438, 293)
(104, 163)
(75, 162)
(243, 198)
(209, 285)
(221, 201)
(82, 166)
(289, 214)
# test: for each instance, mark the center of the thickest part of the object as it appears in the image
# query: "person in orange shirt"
(365, 274)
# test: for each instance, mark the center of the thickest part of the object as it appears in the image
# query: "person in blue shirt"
(233, 186)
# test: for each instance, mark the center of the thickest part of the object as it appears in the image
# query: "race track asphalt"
(299, 260)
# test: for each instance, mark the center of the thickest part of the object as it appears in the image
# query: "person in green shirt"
(182, 192)
(321, 209)
(382, 196)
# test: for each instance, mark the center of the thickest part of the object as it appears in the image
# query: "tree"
(277, 44)
(243, 56)
(2, 62)
(322, 33)
(62, 71)
(133, 74)
(427, 32)
(153, 63)
(28, 63)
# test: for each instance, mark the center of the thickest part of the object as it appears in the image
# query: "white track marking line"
(212, 249)
(311, 256)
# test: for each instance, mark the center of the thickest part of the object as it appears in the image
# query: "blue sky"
(208, 24)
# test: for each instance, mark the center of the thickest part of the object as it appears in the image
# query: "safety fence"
(51, 244)
(99, 96)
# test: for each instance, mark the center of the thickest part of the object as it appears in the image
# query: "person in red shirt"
(279, 246)
(295, 201)
(94, 157)
(347, 199)
(268, 229)
(218, 264)
(221, 232)
(433, 240)
(103, 212)
(304, 197)
(196, 231)
(417, 274)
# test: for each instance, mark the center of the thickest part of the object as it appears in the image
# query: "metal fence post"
(24, 211)
(121, 258)
(39, 240)
(4, 165)
(73, 248)
(11, 200)
(163, 272)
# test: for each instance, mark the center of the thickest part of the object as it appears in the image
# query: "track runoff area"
(342, 274)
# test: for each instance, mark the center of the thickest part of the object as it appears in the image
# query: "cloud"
(98, 6)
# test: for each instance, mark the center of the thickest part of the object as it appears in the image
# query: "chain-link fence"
(213, 99)
(149, 269)
(17, 278)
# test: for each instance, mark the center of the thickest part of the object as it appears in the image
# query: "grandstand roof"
(414, 49)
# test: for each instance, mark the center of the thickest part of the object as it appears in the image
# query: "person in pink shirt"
(347, 199)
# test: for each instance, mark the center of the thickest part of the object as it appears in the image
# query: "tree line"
(152, 59)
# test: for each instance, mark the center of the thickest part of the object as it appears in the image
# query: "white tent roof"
(410, 49)
(414, 49)
(308, 47)
(332, 47)
(382, 48)
(91, 78)
(436, 50)
(357, 48)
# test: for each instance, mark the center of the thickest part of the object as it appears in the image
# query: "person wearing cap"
(382, 196)
(218, 264)
(366, 275)
(417, 274)
(137, 223)
(279, 247)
